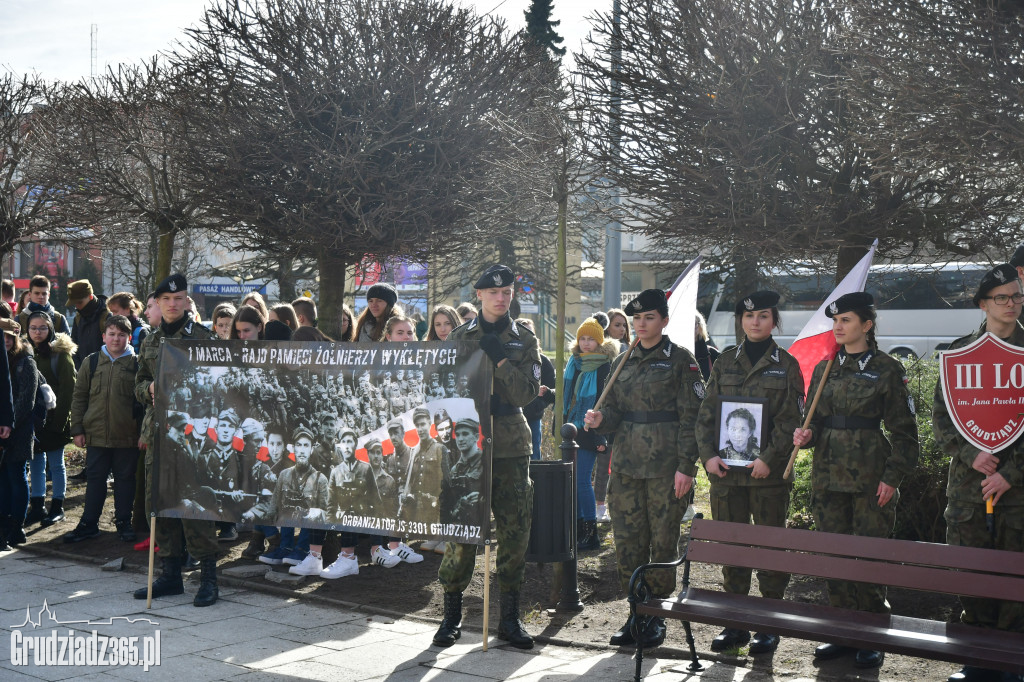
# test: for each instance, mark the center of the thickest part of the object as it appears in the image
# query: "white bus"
(921, 308)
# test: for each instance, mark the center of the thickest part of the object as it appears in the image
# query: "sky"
(51, 37)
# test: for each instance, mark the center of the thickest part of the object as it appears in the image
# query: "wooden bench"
(897, 563)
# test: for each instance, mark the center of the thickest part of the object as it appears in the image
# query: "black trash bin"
(554, 512)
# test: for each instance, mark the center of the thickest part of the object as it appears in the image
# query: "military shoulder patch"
(694, 367)
(910, 404)
(536, 371)
(698, 389)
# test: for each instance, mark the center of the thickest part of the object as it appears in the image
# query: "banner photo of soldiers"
(390, 438)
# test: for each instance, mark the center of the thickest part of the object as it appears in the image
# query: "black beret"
(172, 285)
(649, 299)
(277, 331)
(1017, 259)
(996, 277)
(384, 292)
(494, 277)
(759, 300)
(856, 300)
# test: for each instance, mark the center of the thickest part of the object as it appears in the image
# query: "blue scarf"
(585, 394)
(35, 308)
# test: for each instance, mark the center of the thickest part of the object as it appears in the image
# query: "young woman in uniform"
(756, 368)
(856, 470)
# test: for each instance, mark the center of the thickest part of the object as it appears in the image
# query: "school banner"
(389, 439)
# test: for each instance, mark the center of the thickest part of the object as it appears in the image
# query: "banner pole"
(810, 414)
(152, 558)
(614, 376)
(487, 591)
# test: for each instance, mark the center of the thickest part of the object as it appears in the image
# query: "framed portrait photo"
(742, 430)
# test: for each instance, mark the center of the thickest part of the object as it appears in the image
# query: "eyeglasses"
(1003, 299)
(39, 329)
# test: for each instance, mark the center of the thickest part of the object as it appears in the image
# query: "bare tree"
(740, 134)
(351, 129)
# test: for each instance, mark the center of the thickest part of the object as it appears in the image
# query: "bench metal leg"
(694, 665)
(639, 662)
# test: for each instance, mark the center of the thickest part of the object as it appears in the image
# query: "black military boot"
(169, 582)
(207, 594)
(56, 513)
(16, 531)
(3, 533)
(257, 545)
(451, 624)
(36, 511)
(588, 540)
(510, 628)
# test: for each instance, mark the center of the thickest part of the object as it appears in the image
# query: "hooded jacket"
(57, 431)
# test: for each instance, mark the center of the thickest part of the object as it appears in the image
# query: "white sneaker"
(689, 514)
(406, 554)
(311, 565)
(441, 547)
(342, 567)
(383, 557)
(428, 545)
(602, 514)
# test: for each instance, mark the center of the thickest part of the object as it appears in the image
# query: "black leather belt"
(655, 417)
(841, 422)
(500, 408)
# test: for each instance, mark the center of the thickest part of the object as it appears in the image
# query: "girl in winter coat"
(381, 300)
(585, 374)
(54, 353)
(17, 449)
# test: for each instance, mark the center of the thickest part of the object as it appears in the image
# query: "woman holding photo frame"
(754, 400)
(857, 469)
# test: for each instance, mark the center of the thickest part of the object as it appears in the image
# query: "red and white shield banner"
(983, 385)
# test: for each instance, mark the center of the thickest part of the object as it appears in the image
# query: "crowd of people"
(735, 413)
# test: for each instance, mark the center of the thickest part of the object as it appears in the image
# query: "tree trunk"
(286, 279)
(164, 255)
(332, 292)
(560, 316)
(746, 281)
(849, 256)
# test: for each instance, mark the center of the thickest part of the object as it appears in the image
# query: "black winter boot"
(4, 547)
(257, 545)
(588, 540)
(510, 628)
(451, 624)
(15, 531)
(36, 511)
(169, 582)
(208, 593)
(56, 513)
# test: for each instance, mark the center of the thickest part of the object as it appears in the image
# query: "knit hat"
(384, 292)
(591, 328)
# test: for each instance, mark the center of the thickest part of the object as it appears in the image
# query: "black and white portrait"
(740, 422)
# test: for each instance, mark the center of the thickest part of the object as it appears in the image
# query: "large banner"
(390, 439)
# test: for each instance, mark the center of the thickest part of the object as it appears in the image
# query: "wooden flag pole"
(152, 559)
(810, 414)
(614, 376)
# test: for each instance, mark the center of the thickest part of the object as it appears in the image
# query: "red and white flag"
(816, 341)
(682, 307)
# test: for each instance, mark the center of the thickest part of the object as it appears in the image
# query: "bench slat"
(895, 634)
(883, 549)
(842, 568)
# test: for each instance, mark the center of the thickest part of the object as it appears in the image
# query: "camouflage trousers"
(767, 506)
(965, 526)
(645, 525)
(173, 536)
(512, 506)
(855, 514)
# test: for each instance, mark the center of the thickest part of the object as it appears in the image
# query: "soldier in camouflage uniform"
(856, 470)
(975, 475)
(652, 409)
(756, 368)
(516, 356)
(200, 538)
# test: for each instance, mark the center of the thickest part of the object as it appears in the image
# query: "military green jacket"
(775, 377)
(516, 383)
(665, 379)
(872, 386)
(148, 367)
(964, 484)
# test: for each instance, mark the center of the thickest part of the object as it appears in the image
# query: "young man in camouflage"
(200, 536)
(652, 409)
(515, 353)
(975, 476)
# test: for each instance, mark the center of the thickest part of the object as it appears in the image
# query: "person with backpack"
(105, 421)
(53, 353)
(17, 447)
(39, 301)
(125, 303)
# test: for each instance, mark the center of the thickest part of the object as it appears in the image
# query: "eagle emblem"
(172, 285)
(497, 280)
(999, 275)
(834, 309)
(748, 304)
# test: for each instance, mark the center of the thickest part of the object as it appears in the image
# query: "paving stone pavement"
(250, 636)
